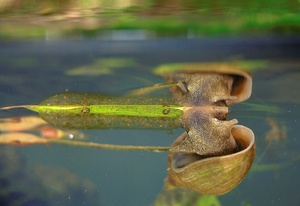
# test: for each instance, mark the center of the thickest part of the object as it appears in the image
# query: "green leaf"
(208, 200)
(171, 111)
(250, 65)
(92, 111)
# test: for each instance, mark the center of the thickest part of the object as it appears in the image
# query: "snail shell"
(212, 175)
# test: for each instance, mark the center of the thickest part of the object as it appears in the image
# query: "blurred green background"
(86, 18)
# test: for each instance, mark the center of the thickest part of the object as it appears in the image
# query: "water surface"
(122, 55)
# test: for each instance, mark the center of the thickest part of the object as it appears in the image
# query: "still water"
(34, 70)
(112, 48)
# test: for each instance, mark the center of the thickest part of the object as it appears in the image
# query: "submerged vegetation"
(48, 185)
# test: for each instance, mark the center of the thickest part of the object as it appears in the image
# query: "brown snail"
(213, 155)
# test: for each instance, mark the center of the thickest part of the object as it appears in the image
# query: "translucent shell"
(212, 175)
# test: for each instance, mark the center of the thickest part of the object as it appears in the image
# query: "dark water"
(111, 47)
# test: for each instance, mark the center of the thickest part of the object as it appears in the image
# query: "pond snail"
(213, 155)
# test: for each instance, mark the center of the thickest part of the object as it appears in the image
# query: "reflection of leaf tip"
(17, 107)
(21, 139)
(10, 107)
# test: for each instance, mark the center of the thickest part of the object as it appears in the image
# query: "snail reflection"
(212, 156)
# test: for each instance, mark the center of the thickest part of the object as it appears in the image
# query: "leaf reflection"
(101, 67)
(29, 130)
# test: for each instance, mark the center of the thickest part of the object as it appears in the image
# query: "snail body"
(205, 93)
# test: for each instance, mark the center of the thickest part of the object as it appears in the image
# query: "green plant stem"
(111, 146)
